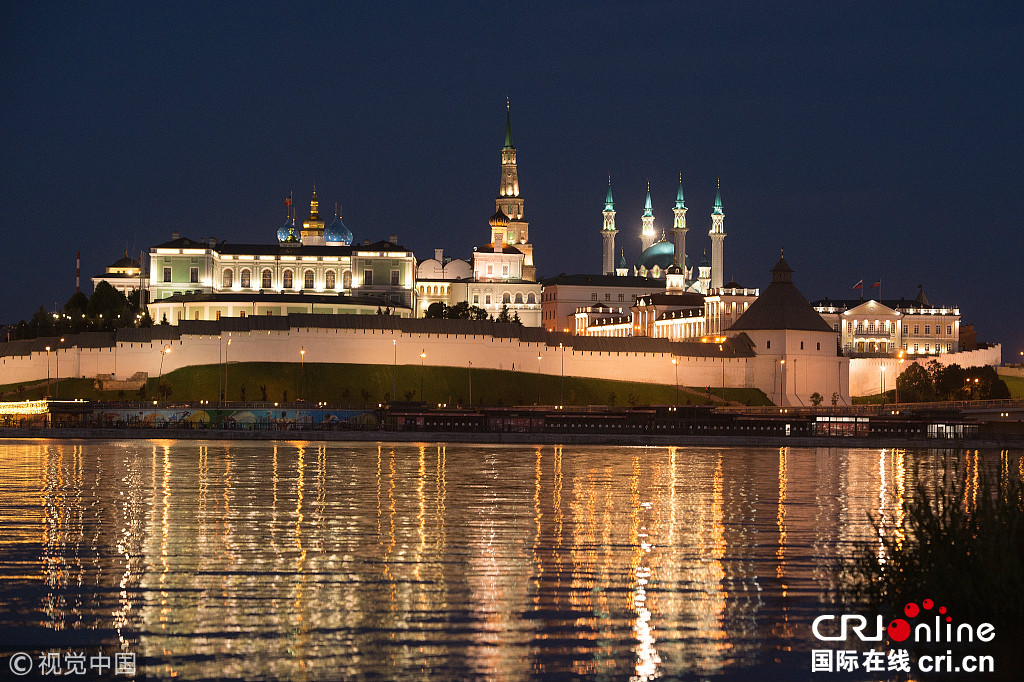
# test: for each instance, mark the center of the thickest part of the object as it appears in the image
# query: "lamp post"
(160, 377)
(538, 378)
(470, 371)
(675, 366)
(561, 390)
(227, 351)
(423, 355)
(899, 371)
(302, 364)
(56, 358)
(47, 371)
(723, 372)
(394, 373)
(220, 371)
(782, 379)
(881, 379)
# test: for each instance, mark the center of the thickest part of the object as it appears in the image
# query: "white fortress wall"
(866, 374)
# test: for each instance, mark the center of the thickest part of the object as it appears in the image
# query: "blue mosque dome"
(286, 230)
(337, 234)
(660, 254)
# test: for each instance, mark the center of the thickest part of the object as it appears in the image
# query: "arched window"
(246, 275)
(307, 279)
(506, 298)
(519, 297)
(530, 298)
(228, 278)
(286, 276)
(266, 279)
(346, 279)
(329, 279)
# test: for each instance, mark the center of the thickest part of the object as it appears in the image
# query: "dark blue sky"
(869, 140)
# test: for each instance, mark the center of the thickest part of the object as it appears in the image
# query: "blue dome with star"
(286, 230)
(337, 234)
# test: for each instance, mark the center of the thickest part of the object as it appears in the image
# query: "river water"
(296, 560)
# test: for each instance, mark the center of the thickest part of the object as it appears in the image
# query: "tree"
(477, 313)
(835, 398)
(106, 302)
(436, 310)
(915, 385)
(948, 382)
(503, 316)
(816, 399)
(165, 389)
(76, 305)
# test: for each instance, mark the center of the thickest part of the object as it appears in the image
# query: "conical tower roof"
(781, 306)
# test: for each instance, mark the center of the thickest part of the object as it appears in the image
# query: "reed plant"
(962, 545)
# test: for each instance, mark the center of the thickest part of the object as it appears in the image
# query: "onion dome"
(337, 234)
(499, 219)
(286, 230)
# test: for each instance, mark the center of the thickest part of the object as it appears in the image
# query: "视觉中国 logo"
(924, 639)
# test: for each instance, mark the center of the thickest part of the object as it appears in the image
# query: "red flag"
(859, 285)
(288, 200)
(876, 284)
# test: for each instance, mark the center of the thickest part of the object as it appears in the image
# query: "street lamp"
(675, 366)
(561, 390)
(394, 373)
(881, 378)
(423, 355)
(302, 364)
(538, 378)
(470, 371)
(56, 358)
(782, 380)
(47, 371)
(226, 351)
(899, 371)
(723, 372)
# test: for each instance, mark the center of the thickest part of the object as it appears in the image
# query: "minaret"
(608, 233)
(717, 235)
(647, 236)
(679, 229)
(623, 269)
(313, 229)
(510, 203)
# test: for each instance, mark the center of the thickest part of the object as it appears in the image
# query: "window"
(181, 315)
(329, 279)
(620, 298)
(927, 329)
(927, 347)
(367, 278)
(915, 347)
(195, 315)
(860, 327)
(270, 313)
(835, 327)
(490, 269)
(286, 279)
(767, 344)
(504, 270)
(487, 299)
(346, 279)
(241, 313)
(218, 314)
(266, 279)
(307, 279)
(193, 275)
(801, 345)
(395, 279)
(949, 331)
(819, 345)
(530, 298)
(246, 278)
(593, 296)
(506, 298)
(228, 278)
(476, 299)
(519, 297)
(917, 329)
(167, 274)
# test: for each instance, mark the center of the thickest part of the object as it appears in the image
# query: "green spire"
(648, 210)
(680, 203)
(623, 265)
(609, 205)
(508, 126)
(718, 200)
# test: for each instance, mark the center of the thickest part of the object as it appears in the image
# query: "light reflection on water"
(301, 560)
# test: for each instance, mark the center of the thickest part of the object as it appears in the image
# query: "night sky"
(871, 141)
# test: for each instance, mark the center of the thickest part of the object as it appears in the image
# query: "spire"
(314, 206)
(648, 210)
(508, 126)
(718, 200)
(609, 205)
(680, 203)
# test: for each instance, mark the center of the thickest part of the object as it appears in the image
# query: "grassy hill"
(338, 383)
